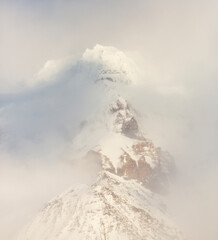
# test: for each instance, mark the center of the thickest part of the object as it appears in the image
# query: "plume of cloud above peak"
(171, 35)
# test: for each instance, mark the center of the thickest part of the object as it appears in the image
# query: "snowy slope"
(124, 203)
(117, 208)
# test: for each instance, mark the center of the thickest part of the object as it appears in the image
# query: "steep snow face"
(112, 208)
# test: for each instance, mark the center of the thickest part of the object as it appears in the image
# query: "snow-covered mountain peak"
(113, 66)
(124, 203)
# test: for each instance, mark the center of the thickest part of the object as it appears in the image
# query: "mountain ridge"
(122, 203)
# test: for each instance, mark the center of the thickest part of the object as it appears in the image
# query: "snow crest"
(113, 66)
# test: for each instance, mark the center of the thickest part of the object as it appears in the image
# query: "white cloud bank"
(174, 43)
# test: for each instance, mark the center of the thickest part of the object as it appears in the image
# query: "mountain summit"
(112, 64)
(125, 201)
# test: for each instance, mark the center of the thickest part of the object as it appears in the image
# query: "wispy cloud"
(174, 45)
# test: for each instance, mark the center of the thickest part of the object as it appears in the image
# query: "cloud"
(26, 187)
(41, 108)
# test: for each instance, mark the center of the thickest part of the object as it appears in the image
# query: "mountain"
(125, 201)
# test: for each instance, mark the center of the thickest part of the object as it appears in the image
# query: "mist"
(43, 99)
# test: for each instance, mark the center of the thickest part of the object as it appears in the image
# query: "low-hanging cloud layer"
(41, 108)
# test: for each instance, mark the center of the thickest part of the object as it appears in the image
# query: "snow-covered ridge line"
(113, 207)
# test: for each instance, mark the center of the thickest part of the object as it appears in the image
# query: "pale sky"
(174, 43)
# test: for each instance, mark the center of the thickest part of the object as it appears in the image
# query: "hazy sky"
(175, 45)
(172, 35)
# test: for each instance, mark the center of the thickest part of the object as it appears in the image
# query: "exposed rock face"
(125, 121)
(144, 164)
